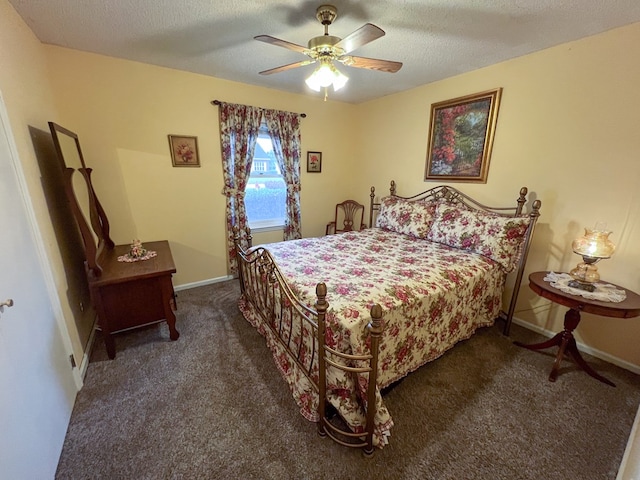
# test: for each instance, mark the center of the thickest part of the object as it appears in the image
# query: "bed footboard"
(296, 334)
(355, 364)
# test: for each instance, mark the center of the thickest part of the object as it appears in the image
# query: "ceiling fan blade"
(365, 34)
(370, 63)
(280, 43)
(287, 67)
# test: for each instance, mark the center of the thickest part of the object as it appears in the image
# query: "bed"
(347, 315)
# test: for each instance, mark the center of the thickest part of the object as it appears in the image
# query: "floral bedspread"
(432, 296)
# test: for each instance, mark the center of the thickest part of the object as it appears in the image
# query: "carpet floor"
(212, 405)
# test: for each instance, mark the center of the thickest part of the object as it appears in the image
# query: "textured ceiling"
(434, 39)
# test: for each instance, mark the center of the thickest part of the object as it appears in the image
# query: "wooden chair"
(349, 216)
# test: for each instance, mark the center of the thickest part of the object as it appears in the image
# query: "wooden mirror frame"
(95, 237)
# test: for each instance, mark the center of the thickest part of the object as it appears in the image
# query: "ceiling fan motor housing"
(323, 43)
(326, 14)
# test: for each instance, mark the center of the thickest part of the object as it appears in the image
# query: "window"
(265, 196)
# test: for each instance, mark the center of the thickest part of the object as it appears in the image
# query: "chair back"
(349, 216)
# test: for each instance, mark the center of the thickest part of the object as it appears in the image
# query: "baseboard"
(87, 354)
(202, 283)
(583, 348)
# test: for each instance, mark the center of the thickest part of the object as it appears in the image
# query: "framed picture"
(314, 162)
(461, 137)
(184, 151)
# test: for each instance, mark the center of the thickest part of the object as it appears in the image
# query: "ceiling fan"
(327, 49)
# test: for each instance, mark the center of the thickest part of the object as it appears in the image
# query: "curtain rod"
(218, 102)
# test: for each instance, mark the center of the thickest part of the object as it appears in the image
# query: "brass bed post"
(237, 241)
(365, 363)
(249, 237)
(535, 213)
(238, 249)
(376, 206)
(321, 309)
(375, 331)
(372, 195)
(521, 200)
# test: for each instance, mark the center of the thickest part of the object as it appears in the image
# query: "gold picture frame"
(461, 135)
(184, 151)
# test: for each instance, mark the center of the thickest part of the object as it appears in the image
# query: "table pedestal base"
(567, 344)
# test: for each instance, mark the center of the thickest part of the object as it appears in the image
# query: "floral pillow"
(406, 217)
(493, 236)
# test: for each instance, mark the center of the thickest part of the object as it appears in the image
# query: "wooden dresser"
(132, 294)
(125, 295)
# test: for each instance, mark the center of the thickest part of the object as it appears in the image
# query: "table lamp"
(593, 246)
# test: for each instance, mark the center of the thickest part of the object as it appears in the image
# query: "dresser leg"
(110, 344)
(173, 333)
(170, 307)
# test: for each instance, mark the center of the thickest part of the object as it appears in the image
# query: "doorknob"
(7, 303)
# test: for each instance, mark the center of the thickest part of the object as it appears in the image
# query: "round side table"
(628, 308)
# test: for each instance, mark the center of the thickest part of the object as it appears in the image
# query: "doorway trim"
(38, 241)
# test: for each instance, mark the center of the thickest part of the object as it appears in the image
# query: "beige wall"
(568, 130)
(565, 130)
(28, 97)
(123, 112)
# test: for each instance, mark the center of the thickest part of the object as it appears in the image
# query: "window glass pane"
(266, 192)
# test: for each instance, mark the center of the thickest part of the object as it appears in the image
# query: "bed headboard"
(451, 195)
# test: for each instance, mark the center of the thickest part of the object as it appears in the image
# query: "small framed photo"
(184, 151)
(314, 162)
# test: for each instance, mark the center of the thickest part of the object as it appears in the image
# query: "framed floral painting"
(314, 162)
(184, 151)
(461, 137)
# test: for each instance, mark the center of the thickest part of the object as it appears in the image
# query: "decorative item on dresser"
(432, 272)
(125, 294)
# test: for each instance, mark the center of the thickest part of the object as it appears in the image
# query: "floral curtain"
(239, 125)
(284, 130)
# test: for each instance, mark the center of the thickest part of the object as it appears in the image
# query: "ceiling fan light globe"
(312, 84)
(323, 76)
(339, 81)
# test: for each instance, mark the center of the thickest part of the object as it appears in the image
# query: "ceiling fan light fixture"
(340, 80)
(327, 49)
(326, 75)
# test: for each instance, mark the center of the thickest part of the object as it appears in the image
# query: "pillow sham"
(406, 217)
(496, 237)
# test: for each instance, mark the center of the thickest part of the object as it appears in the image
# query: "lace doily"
(137, 253)
(604, 292)
(129, 259)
